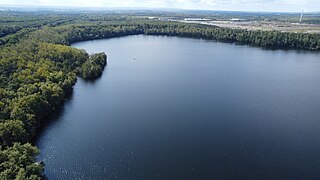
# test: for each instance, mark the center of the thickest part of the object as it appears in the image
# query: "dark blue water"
(189, 109)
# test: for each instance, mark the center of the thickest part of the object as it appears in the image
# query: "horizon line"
(140, 8)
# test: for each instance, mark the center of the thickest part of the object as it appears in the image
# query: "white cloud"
(238, 5)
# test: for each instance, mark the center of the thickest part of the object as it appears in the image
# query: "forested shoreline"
(36, 75)
(268, 39)
(68, 34)
(39, 68)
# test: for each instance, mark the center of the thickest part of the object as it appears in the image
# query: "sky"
(227, 5)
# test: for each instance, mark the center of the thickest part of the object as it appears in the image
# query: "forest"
(39, 68)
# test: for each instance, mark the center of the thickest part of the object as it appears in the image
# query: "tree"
(18, 162)
(12, 131)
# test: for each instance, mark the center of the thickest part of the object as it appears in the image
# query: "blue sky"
(233, 5)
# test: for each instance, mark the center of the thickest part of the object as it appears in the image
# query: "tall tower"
(301, 16)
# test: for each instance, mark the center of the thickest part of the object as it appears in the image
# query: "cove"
(178, 108)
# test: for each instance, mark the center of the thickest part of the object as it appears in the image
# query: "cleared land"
(261, 25)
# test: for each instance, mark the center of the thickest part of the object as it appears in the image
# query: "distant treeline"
(272, 39)
(38, 69)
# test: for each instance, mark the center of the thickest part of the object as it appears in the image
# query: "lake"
(178, 108)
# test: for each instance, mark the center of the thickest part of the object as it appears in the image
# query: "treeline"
(95, 26)
(16, 37)
(269, 39)
(14, 21)
(5, 30)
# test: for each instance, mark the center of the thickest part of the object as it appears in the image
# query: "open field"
(261, 25)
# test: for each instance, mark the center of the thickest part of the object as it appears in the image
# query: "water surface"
(176, 108)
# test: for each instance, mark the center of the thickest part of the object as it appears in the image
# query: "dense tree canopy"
(37, 72)
(17, 162)
(93, 67)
